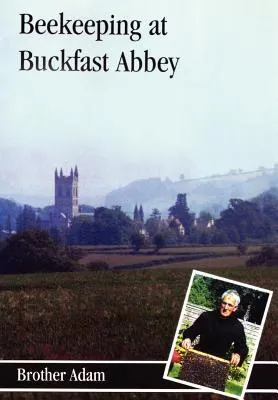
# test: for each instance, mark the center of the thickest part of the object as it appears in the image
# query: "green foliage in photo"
(200, 294)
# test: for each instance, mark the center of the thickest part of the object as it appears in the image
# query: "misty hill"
(266, 197)
(32, 199)
(149, 192)
(211, 194)
(44, 201)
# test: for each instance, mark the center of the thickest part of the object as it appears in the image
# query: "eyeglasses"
(228, 304)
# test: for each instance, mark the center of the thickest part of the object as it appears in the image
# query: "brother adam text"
(44, 375)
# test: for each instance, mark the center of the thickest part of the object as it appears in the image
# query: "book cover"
(138, 142)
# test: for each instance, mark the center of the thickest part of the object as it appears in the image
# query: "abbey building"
(66, 205)
(66, 198)
(66, 193)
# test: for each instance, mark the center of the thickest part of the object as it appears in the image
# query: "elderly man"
(219, 330)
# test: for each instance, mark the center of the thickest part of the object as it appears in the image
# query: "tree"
(107, 226)
(204, 218)
(137, 240)
(156, 214)
(194, 236)
(181, 211)
(135, 213)
(27, 219)
(171, 235)
(200, 292)
(242, 220)
(141, 214)
(205, 236)
(9, 208)
(219, 236)
(233, 234)
(81, 231)
(33, 251)
(55, 235)
(268, 205)
(159, 241)
(153, 223)
(111, 226)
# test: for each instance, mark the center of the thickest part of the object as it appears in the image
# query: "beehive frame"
(204, 369)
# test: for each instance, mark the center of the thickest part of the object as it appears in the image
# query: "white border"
(194, 273)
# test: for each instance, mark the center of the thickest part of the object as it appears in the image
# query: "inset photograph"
(218, 334)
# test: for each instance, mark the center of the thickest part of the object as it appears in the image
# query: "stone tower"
(66, 193)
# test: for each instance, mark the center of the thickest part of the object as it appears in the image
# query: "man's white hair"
(233, 293)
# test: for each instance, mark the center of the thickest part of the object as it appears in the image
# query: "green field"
(123, 257)
(109, 315)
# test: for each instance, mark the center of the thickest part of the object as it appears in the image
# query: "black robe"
(217, 334)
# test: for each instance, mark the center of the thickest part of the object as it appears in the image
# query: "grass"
(185, 249)
(175, 371)
(114, 260)
(233, 388)
(211, 262)
(112, 315)
(207, 256)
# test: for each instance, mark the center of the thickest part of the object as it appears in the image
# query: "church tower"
(66, 193)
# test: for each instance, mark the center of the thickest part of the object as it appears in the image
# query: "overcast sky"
(218, 112)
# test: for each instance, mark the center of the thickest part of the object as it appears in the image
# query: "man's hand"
(235, 359)
(187, 344)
